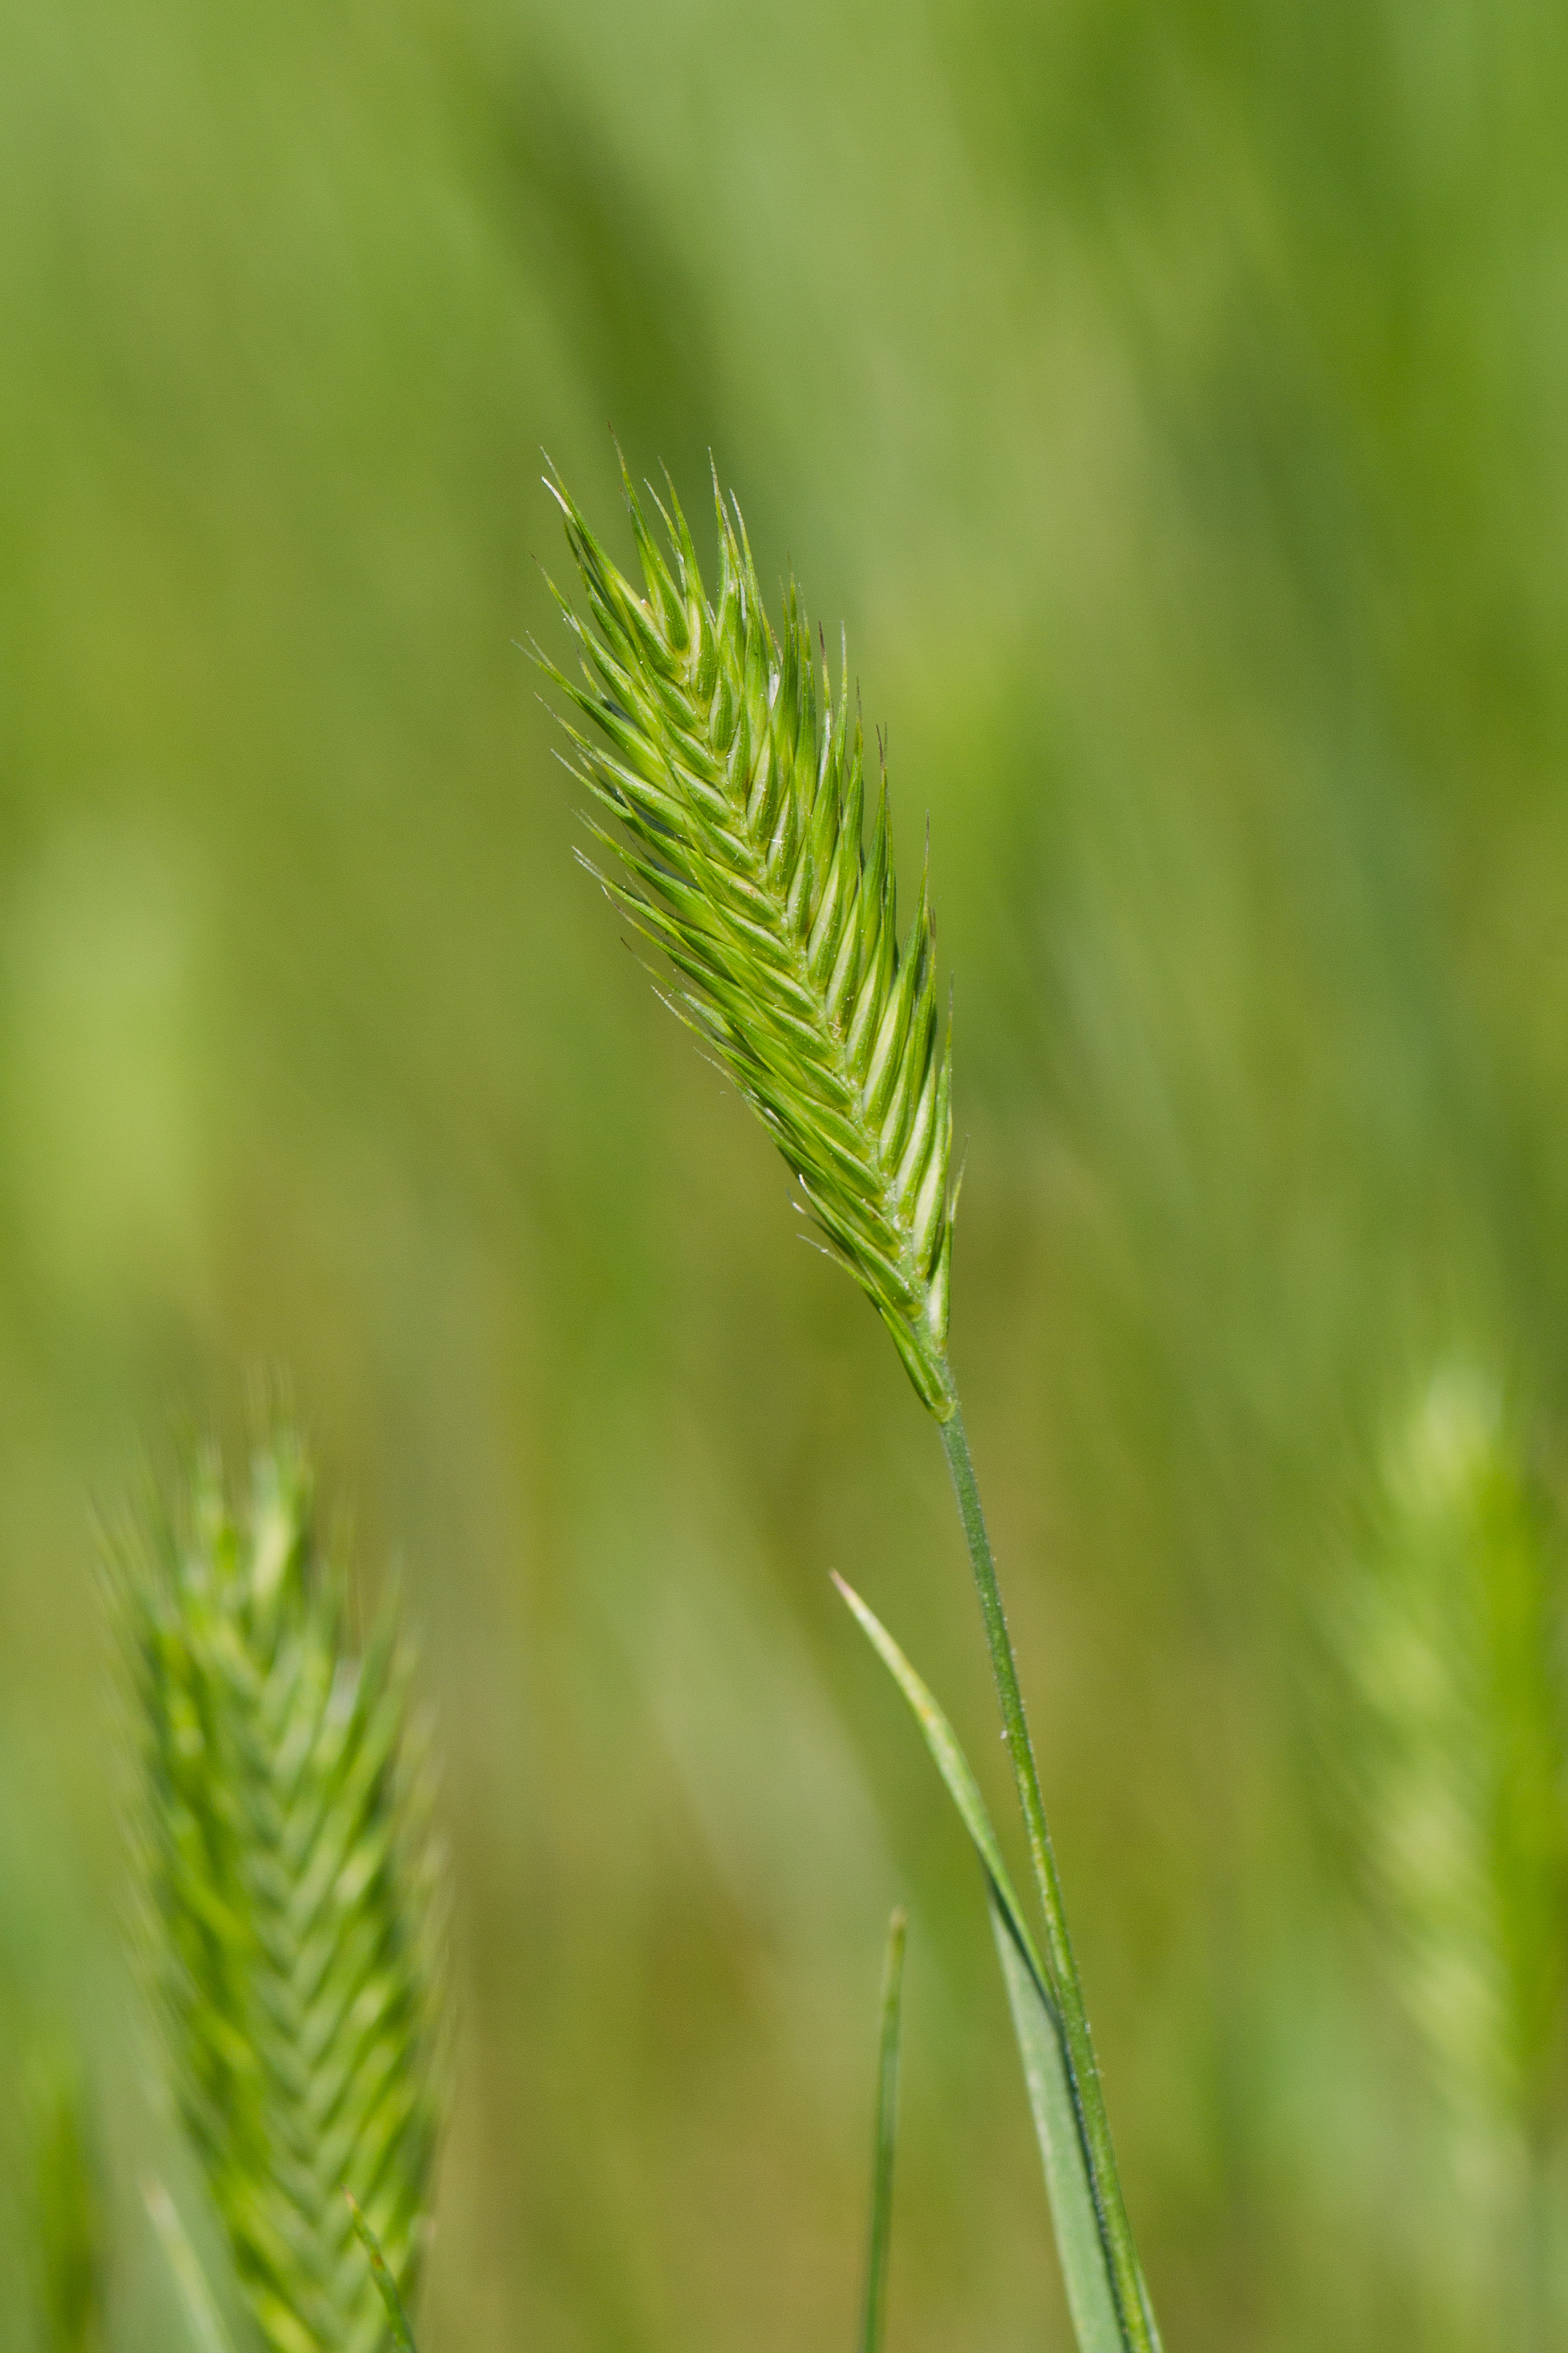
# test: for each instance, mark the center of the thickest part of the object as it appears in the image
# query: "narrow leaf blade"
(1074, 2210)
(874, 2327)
(1075, 2213)
(953, 1765)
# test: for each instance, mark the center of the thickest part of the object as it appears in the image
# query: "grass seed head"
(740, 844)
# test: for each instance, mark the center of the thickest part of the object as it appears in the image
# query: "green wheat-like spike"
(292, 1897)
(737, 778)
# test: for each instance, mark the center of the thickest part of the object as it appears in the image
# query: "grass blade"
(1095, 2322)
(953, 1766)
(1077, 2210)
(875, 2324)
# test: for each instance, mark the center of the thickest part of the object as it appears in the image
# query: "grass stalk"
(742, 843)
(1088, 2098)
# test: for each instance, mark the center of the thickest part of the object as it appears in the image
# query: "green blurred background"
(1170, 400)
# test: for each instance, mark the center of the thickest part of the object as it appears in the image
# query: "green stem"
(1094, 2124)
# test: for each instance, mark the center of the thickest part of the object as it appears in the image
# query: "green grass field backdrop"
(1171, 402)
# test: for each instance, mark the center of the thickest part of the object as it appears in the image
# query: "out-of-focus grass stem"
(207, 2331)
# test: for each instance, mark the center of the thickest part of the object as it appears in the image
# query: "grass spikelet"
(736, 774)
(288, 1873)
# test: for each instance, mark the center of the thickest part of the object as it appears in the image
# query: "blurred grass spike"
(736, 774)
(1452, 1647)
(292, 1895)
(66, 2216)
(890, 2012)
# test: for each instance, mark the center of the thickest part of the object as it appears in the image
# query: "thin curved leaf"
(874, 2325)
(1075, 2213)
